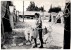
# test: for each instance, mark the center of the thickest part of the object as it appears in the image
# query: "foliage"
(32, 7)
(54, 9)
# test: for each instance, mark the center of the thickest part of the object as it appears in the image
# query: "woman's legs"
(35, 41)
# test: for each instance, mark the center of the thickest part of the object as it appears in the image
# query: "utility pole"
(23, 11)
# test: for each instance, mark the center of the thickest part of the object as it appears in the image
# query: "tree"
(54, 9)
(42, 9)
(67, 26)
(32, 7)
(37, 9)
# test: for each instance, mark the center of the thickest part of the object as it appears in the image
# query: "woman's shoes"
(35, 46)
(41, 47)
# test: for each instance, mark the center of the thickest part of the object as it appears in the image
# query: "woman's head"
(36, 15)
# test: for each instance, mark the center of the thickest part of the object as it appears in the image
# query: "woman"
(38, 30)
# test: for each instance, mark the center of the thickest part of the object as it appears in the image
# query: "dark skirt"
(7, 26)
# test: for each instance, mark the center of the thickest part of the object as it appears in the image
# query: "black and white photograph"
(31, 24)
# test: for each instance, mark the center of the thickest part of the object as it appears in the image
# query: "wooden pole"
(43, 10)
(2, 33)
(23, 11)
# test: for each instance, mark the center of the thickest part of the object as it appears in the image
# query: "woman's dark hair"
(37, 14)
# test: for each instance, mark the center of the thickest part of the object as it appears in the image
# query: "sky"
(46, 3)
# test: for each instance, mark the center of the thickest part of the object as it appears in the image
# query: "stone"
(13, 44)
(20, 44)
